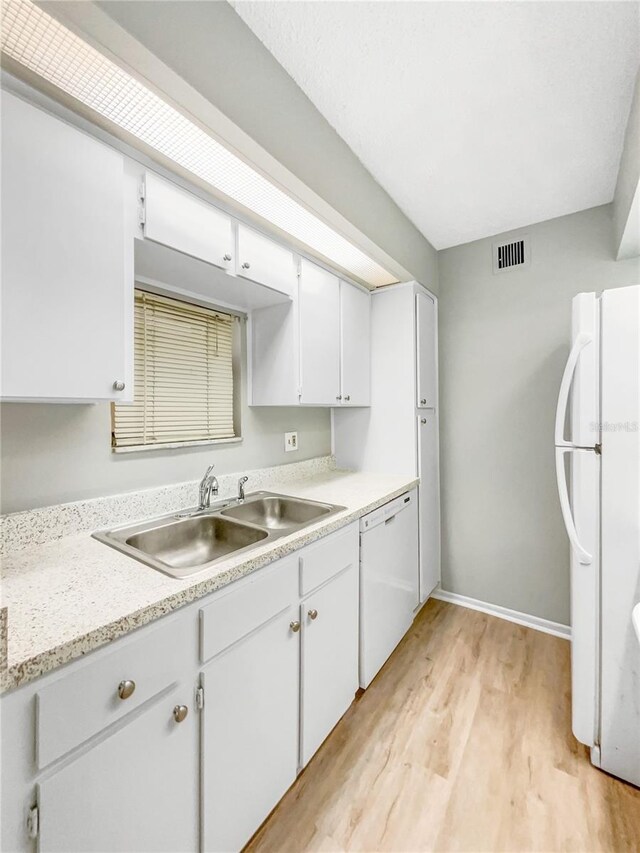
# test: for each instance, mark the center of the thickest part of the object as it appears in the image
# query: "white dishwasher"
(389, 570)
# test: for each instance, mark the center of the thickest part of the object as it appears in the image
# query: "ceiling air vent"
(509, 255)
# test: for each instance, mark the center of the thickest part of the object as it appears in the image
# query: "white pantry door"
(426, 352)
(429, 502)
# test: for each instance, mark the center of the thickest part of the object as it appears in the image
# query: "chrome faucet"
(208, 487)
(241, 483)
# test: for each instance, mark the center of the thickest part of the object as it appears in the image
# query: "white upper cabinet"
(67, 276)
(319, 305)
(355, 345)
(181, 220)
(266, 262)
(315, 351)
(426, 352)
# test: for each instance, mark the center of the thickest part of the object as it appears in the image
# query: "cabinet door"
(136, 790)
(181, 220)
(329, 669)
(319, 300)
(262, 260)
(429, 502)
(67, 291)
(355, 345)
(426, 351)
(249, 732)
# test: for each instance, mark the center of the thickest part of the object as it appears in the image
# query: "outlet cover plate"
(290, 441)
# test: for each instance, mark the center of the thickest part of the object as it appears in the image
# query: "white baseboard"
(557, 629)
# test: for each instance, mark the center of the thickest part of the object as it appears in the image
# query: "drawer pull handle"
(313, 614)
(180, 712)
(295, 627)
(126, 688)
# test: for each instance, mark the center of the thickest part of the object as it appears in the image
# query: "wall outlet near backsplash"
(290, 441)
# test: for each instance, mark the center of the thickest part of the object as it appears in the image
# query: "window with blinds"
(183, 376)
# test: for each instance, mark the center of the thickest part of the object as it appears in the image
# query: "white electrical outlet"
(290, 441)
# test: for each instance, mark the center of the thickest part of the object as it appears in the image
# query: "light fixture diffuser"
(42, 44)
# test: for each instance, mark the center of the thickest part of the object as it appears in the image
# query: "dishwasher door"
(389, 571)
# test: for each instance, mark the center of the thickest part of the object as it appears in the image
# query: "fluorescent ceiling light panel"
(39, 42)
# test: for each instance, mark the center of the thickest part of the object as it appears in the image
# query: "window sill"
(142, 448)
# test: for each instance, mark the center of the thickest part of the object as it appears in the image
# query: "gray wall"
(504, 340)
(629, 172)
(210, 47)
(57, 453)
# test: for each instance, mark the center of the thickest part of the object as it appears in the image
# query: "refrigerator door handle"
(579, 344)
(584, 557)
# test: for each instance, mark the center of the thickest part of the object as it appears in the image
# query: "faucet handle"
(243, 479)
(209, 470)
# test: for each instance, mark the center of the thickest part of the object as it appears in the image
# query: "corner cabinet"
(316, 350)
(67, 275)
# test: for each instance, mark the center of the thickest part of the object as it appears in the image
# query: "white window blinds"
(183, 375)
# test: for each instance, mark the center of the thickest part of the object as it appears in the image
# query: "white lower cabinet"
(135, 790)
(102, 757)
(250, 716)
(329, 671)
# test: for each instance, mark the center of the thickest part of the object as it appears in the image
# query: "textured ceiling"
(476, 118)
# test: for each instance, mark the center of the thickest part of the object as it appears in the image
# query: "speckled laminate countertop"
(70, 596)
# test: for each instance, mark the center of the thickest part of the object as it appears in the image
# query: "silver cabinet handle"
(118, 385)
(347, 397)
(126, 688)
(312, 614)
(423, 420)
(246, 265)
(423, 402)
(226, 257)
(295, 626)
(180, 712)
(339, 397)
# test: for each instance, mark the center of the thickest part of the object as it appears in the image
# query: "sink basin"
(276, 512)
(195, 541)
(185, 543)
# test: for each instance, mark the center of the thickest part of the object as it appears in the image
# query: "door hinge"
(141, 189)
(200, 698)
(33, 822)
(142, 214)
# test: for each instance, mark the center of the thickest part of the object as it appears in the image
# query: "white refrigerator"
(597, 448)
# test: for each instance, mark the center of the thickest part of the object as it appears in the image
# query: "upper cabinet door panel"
(67, 301)
(266, 262)
(181, 220)
(319, 297)
(426, 352)
(355, 345)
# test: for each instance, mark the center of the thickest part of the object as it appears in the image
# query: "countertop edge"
(26, 671)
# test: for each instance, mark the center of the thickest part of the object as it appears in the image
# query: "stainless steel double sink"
(184, 543)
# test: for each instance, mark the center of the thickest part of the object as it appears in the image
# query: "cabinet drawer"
(86, 700)
(326, 558)
(240, 611)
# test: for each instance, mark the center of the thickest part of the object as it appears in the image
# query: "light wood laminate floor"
(463, 742)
